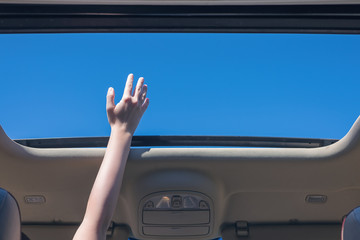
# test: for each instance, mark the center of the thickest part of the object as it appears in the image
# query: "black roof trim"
(36, 18)
(173, 141)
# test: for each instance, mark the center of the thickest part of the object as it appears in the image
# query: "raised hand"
(126, 115)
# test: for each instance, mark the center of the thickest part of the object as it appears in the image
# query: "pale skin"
(123, 118)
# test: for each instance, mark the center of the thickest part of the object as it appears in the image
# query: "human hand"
(125, 116)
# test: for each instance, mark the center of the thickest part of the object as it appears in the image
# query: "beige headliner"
(258, 185)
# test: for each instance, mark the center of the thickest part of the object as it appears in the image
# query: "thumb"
(110, 105)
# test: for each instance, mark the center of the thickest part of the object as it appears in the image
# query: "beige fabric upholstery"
(9, 217)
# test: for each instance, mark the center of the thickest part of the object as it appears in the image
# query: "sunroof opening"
(275, 85)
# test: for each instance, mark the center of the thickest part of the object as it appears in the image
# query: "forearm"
(106, 189)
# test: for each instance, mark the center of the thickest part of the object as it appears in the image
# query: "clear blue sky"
(286, 85)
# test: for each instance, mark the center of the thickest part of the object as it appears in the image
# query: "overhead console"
(174, 214)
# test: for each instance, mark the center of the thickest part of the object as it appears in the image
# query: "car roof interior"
(282, 192)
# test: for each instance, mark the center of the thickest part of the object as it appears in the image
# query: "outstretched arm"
(123, 119)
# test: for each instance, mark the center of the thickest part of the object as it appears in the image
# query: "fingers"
(138, 88)
(139, 94)
(145, 105)
(143, 93)
(145, 101)
(129, 85)
(110, 99)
